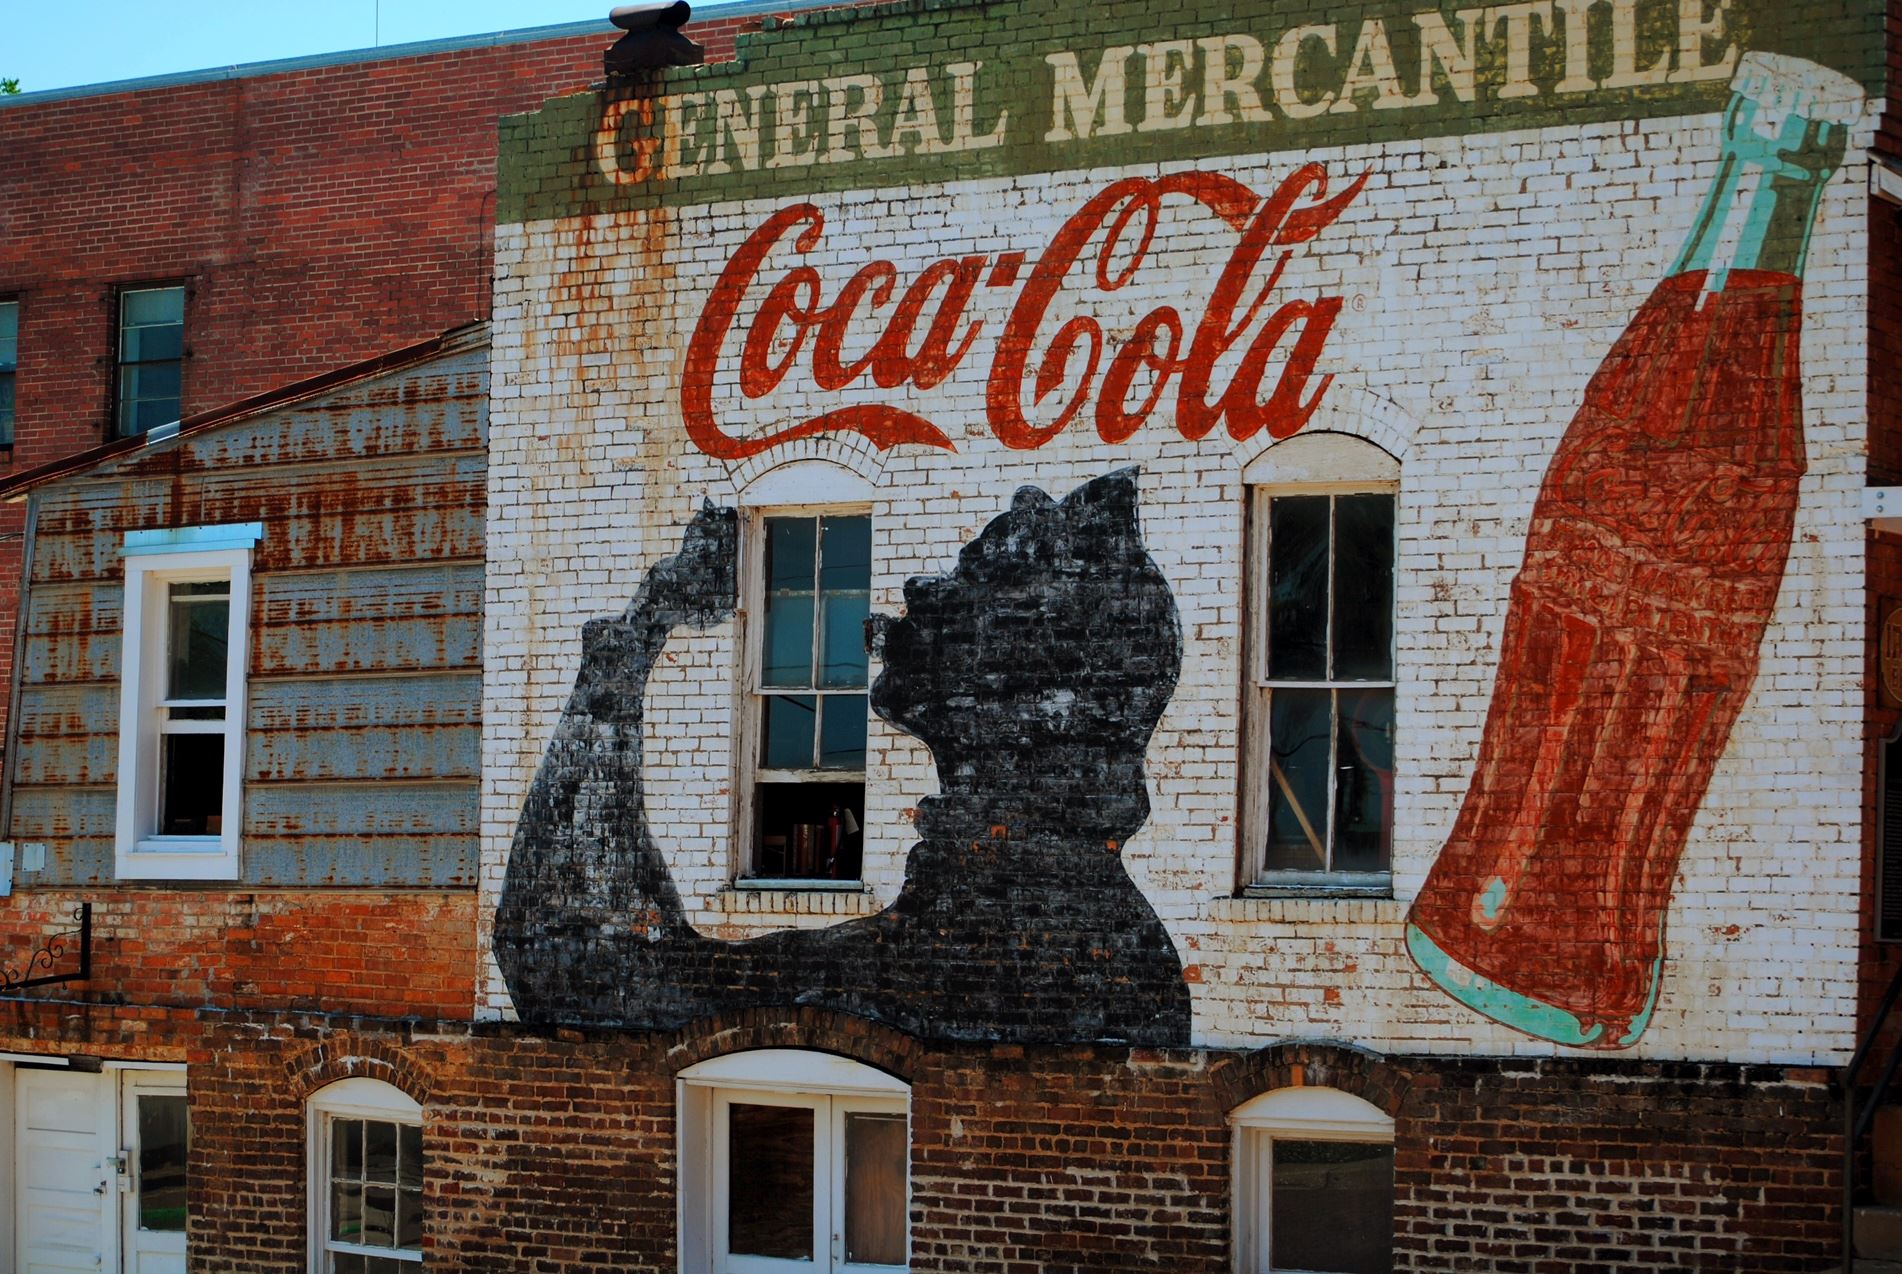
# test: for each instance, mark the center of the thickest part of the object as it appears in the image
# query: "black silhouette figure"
(1036, 673)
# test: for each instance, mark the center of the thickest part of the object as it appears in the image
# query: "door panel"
(154, 1131)
(63, 1183)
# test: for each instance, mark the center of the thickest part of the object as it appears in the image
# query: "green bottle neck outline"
(1793, 167)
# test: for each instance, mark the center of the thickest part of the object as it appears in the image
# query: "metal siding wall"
(364, 719)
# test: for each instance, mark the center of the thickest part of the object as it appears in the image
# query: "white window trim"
(832, 1087)
(356, 1098)
(1305, 1114)
(1308, 464)
(154, 560)
(751, 708)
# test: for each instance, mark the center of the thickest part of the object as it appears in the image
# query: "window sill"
(178, 858)
(796, 898)
(1309, 906)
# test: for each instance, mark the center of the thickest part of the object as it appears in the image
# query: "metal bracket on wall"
(52, 950)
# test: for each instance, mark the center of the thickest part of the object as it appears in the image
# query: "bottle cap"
(1782, 84)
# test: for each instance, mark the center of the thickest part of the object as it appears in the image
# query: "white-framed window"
(808, 571)
(366, 1169)
(1319, 775)
(793, 1161)
(183, 654)
(1313, 1184)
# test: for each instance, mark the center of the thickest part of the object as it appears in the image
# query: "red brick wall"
(558, 1153)
(341, 951)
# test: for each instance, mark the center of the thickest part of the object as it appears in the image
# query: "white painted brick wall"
(1485, 277)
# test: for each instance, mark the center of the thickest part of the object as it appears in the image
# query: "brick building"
(1196, 639)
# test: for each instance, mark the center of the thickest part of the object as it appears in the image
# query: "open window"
(1313, 1184)
(366, 1179)
(793, 1161)
(1319, 772)
(181, 702)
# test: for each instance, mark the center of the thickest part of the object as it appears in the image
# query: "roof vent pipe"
(653, 38)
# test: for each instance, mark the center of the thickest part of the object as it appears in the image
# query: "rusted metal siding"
(363, 729)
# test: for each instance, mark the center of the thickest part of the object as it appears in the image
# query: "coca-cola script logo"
(796, 332)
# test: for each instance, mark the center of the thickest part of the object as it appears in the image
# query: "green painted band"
(1501, 1004)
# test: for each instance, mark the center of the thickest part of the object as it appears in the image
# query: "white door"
(99, 1171)
(154, 1136)
(64, 1191)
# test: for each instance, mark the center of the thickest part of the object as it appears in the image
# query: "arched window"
(1313, 1183)
(793, 1161)
(366, 1179)
(1318, 787)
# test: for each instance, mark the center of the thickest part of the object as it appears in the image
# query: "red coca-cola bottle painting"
(1652, 566)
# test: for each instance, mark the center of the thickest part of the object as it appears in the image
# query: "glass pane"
(162, 344)
(155, 382)
(6, 408)
(1298, 730)
(845, 561)
(409, 1160)
(1363, 781)
(842, 733)
(769, 1185)
(809, 830)
(388, 1265)
(789, 552)
(786, 742)
(346, 1148)
(191, 784)
(197, 642)
(1297, 588)
(877, 1151)
(346, 1211)
(346, 1263)
(9, 335)
(149, 413)
(786, 650)
(153, 305)
(842, 652)
(1363, 588)
(379, 1152)
(163, 1134)
(409, 1218)
(379, 1216)
(1332, 1207)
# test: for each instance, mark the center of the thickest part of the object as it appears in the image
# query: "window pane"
(6, 408)
(1297, 588)
(153, 305)
(388, 1265)
(379, 1216)
(789, 553)
(842, 733)
(1298, 737)
(9, 335)
(191, 784)
(346, 1263)
(786, 650)
(842, 654)
(163, 1132)
(409, 1162)
(1363, 588)
(1363, 781)
(409, 1218)
(200, 615)
(379, 1152)
(161, 344)
(769, 1186)
(786, 742)
(346, 1211)
(846, 558)
(346, 1148)
(1333, 1207)
(877, 1152)
(809, 830)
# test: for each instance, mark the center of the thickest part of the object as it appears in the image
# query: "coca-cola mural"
(974, 287)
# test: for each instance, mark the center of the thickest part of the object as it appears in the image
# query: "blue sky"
(48, 44)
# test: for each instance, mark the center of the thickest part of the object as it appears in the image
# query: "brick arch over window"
(821, 1030)
(1348, 409)
(1367, 1075)
(357, 1057)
